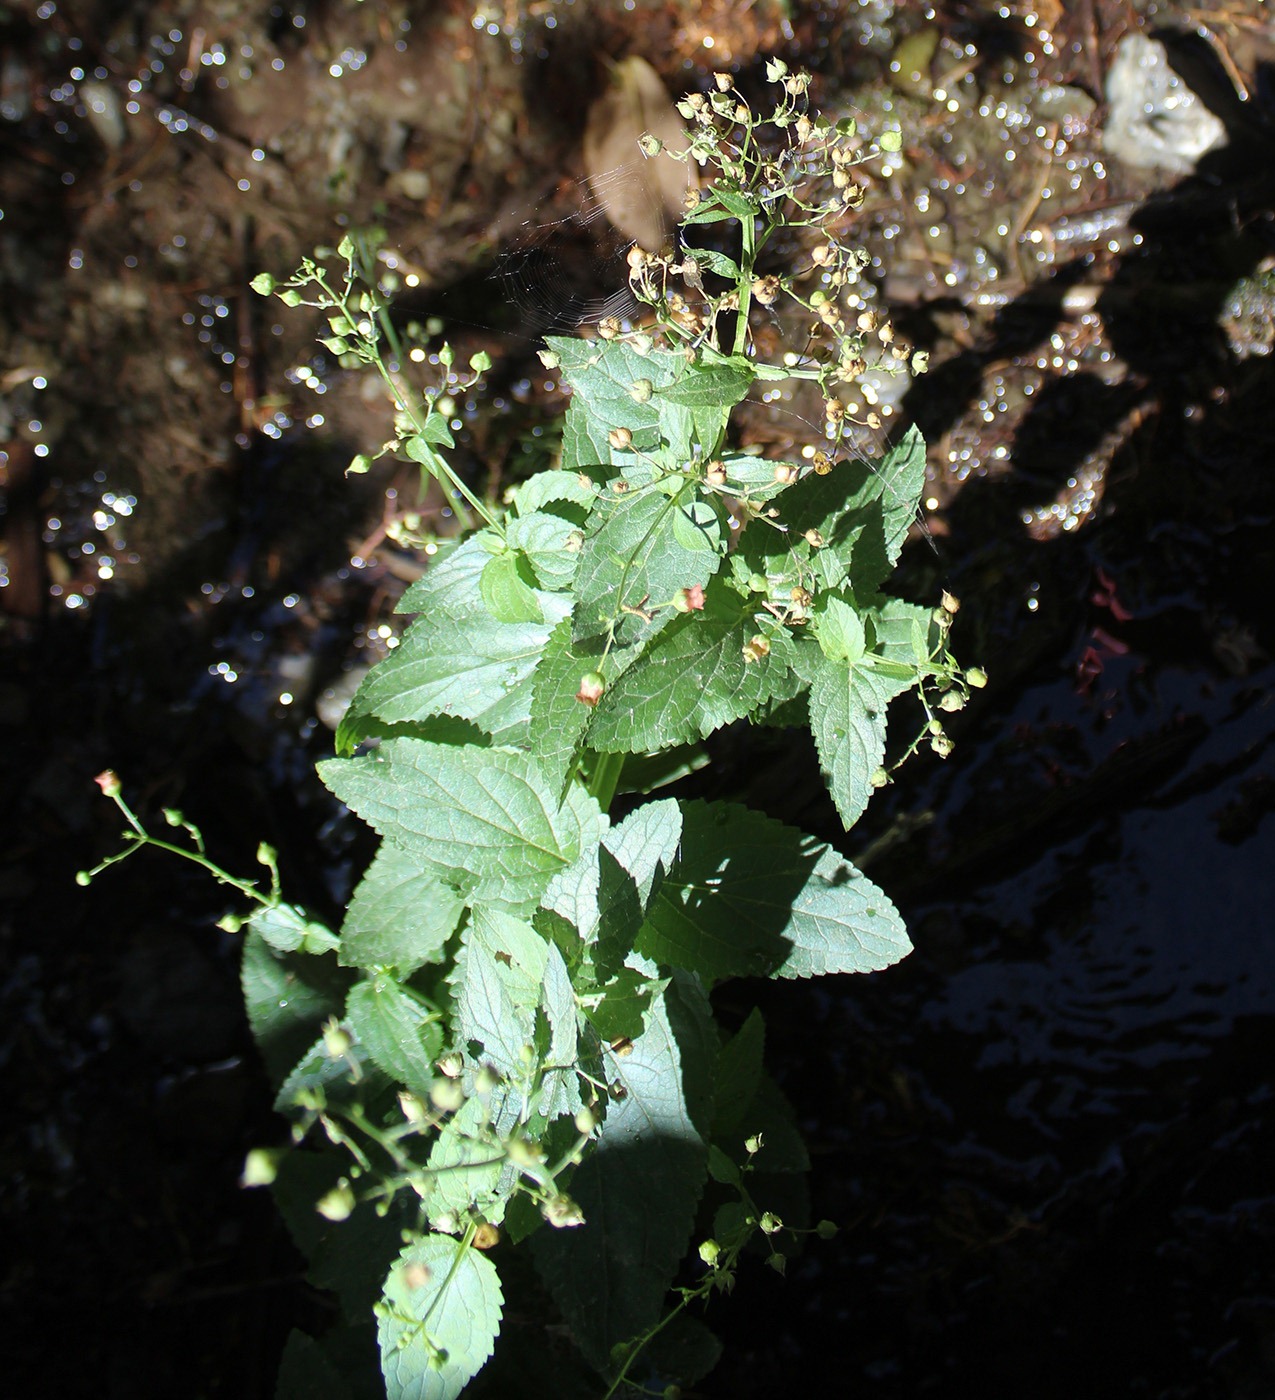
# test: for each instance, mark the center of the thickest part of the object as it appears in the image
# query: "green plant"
(511, 1033)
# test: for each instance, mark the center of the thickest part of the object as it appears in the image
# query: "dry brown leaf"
(642, 197)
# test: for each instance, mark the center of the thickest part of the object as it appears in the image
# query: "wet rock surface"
(1047, 1134)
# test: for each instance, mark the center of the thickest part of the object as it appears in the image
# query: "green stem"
(606, 778)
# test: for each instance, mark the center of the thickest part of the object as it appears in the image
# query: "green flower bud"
(261, 1166)
(263, 284)
(338, 1204)
(290, 296)
(826, 1230)
(708, 1252)
(976, 677)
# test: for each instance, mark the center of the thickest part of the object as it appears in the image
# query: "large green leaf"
(751, 896)
(497, 981)
(401, 915)
(439, 1319)
(848, 719)
(484, 820)
(451, 586)
(639, 1188)
(558, 719)
(465, 1166)
(641, 549)
(472, 667)
(695, 677)
(400, 1033)
(602, 376)
(551, 545)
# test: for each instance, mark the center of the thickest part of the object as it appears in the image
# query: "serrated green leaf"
(450, 587)
(719, 383)
(498, 982)
(712, 261)
(551, 546)
(483, 820)
(602, 375)
(290, 930)
(639, 1188)
(399, 1032)
(734, 200)
(473, 667)
(560, 1092)
(640, 550)
(440, 1319)
(434, 433)
(751, 896)
(288, 996)
(401, 915)
(558, 719)
(507, 595)
(465, 1166)
(840, 632)
(848, 720)
(646, 843)
(549, 487)
(339, 1078)
(694, 677)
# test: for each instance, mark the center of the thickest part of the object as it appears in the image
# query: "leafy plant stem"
(606, 778)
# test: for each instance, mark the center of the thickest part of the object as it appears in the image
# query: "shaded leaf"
(751, 896)
(398, 1030)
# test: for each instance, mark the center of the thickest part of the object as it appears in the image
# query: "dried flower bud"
(620, 438)
(689, 599)
(785, 473)
(640, 390)
(715, 474)
(950, 604)
(766, 290)
(822, 463)
(756, 649)
(805, 129)
(562, 1213)
(650, 145)
(724, 81)
(609, 327)
(814, 539)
